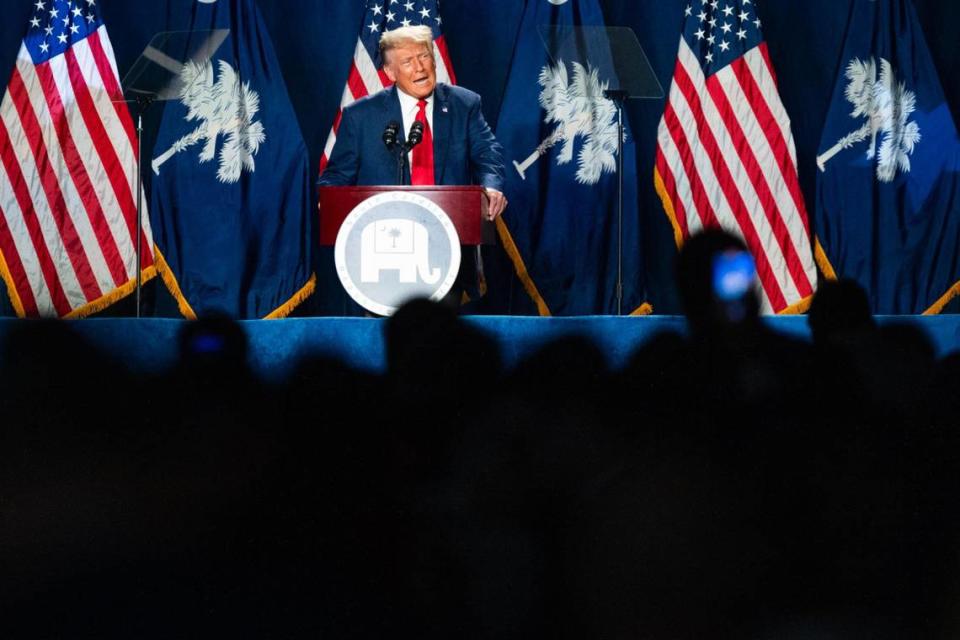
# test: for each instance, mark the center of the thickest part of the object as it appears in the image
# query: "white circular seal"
(394, 247)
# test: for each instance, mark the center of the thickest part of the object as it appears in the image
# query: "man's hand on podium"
(498, 202)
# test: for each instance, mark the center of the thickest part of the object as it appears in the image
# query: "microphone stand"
(402, 150)
(415, 138)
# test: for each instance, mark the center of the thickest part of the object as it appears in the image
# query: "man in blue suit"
(458, 146)
(464, 150)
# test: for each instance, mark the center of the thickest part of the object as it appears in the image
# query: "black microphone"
(416, 134)
(390, 134)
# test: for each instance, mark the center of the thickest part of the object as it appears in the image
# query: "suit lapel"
(441, 131)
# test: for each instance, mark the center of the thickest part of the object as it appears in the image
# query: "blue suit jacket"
(464, 148)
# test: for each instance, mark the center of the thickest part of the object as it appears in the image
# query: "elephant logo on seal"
(397, 244)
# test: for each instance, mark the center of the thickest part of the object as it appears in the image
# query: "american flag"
(366, 76)
(67, 169)
(725, 153)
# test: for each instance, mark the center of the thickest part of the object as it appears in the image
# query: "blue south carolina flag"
(231, 184)
(560, 139)
(888, 196)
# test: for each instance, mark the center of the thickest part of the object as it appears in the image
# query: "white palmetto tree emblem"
(886, 104)
(578, 108)
(225, 106)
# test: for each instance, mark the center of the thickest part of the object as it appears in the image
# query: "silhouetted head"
(214, 342)
(427, 344)
(840, 307)
(717, 280)
(418, 330)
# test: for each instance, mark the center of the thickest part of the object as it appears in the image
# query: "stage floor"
(275, 346)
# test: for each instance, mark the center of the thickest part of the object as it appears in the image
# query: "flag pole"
(139, 203)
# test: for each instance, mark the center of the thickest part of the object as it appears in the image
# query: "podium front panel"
(466, 206)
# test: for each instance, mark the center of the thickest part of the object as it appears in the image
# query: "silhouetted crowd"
(729, 482)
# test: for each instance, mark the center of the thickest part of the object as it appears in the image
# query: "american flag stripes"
(366, 76)
(67, 169)
(725, 152)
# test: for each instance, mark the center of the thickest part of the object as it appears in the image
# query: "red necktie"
(421, 169)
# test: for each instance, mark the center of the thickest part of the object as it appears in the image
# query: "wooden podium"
(466, 206)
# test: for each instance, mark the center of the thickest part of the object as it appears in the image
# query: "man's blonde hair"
(403, 36)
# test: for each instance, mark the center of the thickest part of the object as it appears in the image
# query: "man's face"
(412, 67)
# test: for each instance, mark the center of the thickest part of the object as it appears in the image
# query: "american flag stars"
(721, 31)
(384, 15)
(57, 24)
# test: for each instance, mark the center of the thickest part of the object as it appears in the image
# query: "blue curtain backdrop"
(314, 42)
